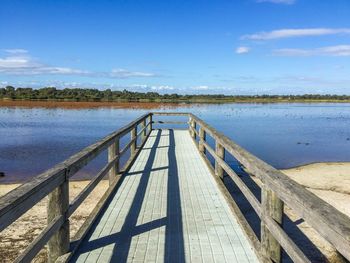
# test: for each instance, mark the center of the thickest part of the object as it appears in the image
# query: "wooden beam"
(144, 131)
(57, 206)
(150, 122)
(272, 206)
(133, 140)
(202, 138)
(220, 152)
(113, 151)
(171, 113)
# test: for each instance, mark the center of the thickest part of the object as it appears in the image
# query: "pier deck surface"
(168, 209)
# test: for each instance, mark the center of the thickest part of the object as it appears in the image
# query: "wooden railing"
(277, 190)
(55, 184)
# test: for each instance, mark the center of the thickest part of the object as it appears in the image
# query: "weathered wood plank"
(17, 202)
(150, 122)
(143, 130)
(133, 140)
(171, 113)
(220, 152)
(170, 122)
(57, 206)
(113, 151)
(271, 206)
(202, 138)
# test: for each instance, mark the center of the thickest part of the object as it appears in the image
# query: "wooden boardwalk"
(170, 202)
(167, 209)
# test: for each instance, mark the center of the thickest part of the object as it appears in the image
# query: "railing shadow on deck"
(174, 243)
(289, 226)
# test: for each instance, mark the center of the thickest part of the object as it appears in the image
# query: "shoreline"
(144, 104)
(328, 180)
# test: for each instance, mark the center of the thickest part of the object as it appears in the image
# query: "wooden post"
(194, 125)
(271, 206)
(134, 144)
(150, 123)
(144, 133)
(113, 151)
(192, 128)
(220, 151)
(57, 205)
(202, 137)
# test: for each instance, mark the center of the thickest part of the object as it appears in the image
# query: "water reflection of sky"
(285, 135)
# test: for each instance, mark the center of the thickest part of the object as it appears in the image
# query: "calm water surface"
(285, 135)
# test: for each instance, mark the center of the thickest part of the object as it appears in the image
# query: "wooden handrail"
(54, 183)
(329, 222)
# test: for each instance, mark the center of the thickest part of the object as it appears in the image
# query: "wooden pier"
(169, 202)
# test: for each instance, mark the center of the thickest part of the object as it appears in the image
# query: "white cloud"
(242, 50)
(201, 87)
(289, 33)
(16, 51)
(162, 88)
(19, 62)
(122, 73)
(286, 2)
(340, 50)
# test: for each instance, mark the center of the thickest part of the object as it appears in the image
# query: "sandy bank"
(329, 181)
(93, 104)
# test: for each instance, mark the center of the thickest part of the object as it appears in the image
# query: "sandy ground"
(329, 181)
(17, 236)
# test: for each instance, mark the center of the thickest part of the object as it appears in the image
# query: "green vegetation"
(51, 93)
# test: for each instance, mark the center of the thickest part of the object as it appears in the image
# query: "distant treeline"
(76, 94)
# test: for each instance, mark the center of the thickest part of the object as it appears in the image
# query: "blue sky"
(230, 47)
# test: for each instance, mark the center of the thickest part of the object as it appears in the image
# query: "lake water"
(284, 135)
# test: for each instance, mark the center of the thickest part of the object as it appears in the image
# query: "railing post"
(271, 206)
(133, 137)
(113, 151)
(150, 122)
(192, 124)
(202, 137)
(144, 133)
(220, 151)
(58, 204)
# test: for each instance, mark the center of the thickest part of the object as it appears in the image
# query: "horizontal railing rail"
(55, 183)
(277, 189)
